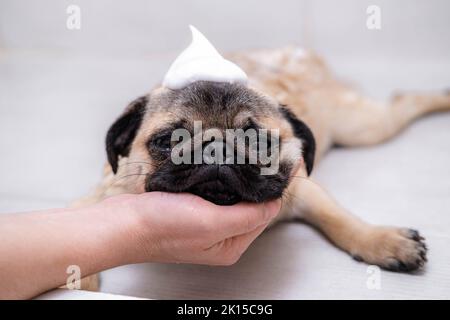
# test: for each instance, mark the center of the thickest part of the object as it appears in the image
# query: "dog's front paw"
(395, 249)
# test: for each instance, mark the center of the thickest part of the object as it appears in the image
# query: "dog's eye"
(250, 124)
(162, 142)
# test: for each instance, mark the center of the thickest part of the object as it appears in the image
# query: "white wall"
(417, 29)
(140, 26)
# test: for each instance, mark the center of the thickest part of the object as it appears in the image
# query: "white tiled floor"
(55, 110)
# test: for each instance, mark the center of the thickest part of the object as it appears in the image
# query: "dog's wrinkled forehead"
(214, 101)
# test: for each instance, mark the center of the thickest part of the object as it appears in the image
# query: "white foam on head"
(200, 61)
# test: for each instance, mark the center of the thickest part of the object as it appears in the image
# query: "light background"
(61, 89)
(411, 28)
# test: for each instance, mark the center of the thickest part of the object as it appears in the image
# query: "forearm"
(37, 248)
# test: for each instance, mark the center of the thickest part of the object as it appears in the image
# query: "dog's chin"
(216, 192)
(219, 185)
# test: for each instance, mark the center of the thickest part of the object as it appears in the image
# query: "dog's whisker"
(132, 174)
(134, 162)
(127, 176)
(307, 179)
(285, 192)
(302, 177)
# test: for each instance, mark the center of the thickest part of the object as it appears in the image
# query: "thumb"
(245, 217)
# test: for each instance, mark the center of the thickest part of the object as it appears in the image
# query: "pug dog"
(290, 90)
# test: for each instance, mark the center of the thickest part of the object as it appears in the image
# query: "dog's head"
(141, 144)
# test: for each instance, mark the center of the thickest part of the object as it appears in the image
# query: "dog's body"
(336, 115)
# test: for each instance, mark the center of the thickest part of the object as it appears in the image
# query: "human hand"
(184, 228)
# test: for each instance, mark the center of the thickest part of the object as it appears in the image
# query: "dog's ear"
(302, 131)
(123, 131)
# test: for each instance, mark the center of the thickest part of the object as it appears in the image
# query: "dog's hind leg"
(359, 121)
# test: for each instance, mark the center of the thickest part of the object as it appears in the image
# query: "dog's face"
(140, 147)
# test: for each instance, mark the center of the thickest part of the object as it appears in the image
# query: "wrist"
(127, 231)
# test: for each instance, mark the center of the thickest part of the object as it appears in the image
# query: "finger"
(244, 217)
(229, 251)
(223, 221)
(243, 241)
